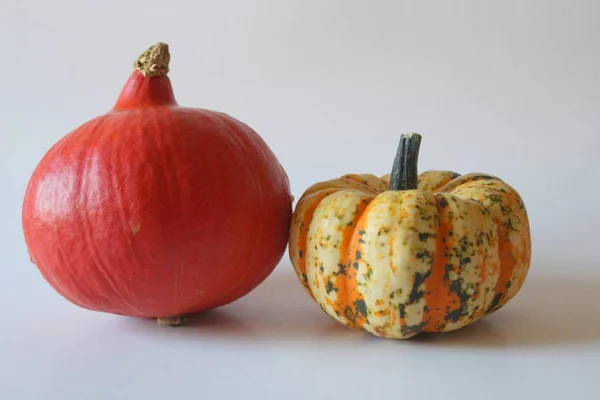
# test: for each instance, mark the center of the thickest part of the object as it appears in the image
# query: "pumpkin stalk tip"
(154, 61)
(404, 174)
(171, 321)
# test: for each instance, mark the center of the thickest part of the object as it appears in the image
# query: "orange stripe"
(438, 297)
(348, 294)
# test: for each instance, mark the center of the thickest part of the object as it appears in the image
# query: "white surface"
(510, 88)
(276, 344)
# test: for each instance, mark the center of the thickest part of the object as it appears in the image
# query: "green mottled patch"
(330, 288)
(423, 236)
(495, 198)
(457, 287)
(361, 307)
(397, 292)
(443, 202)
(417, 292)
(402, 310)
(424, 254)
(496, 303)
(349, 314)
(341, 270)
(410, 330)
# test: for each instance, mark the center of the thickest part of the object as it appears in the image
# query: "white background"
(510, 88)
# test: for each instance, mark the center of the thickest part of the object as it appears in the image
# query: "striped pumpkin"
(407, 253)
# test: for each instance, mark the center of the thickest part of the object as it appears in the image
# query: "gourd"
(154, 209)
(409, 253)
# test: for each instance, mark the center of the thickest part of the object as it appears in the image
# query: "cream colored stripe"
(399, 233)
(304, 211)
(506, 206)
(324, 246)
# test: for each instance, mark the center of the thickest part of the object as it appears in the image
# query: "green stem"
(404, 172)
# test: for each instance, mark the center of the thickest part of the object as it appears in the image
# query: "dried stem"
(154, 61)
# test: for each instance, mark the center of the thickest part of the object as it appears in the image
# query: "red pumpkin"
(154, 209)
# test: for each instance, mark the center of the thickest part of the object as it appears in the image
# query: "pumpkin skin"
(398, 263)
(157, 210)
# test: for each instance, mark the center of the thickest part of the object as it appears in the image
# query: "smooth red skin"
(157, 210)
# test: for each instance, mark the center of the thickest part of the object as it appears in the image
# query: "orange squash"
(154, 209)
(405, 253)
